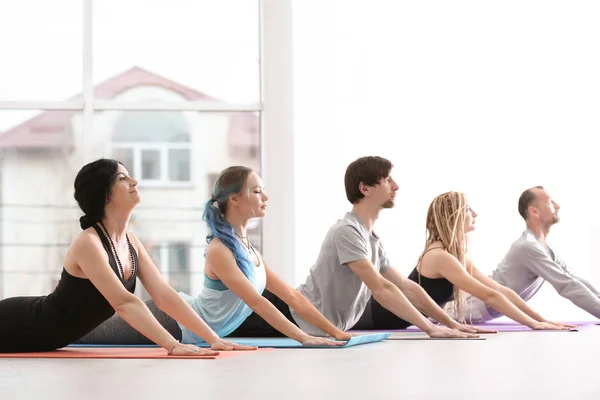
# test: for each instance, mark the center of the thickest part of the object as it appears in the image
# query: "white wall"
(481, 97)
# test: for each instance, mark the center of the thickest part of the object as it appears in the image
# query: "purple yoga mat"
(509, 326)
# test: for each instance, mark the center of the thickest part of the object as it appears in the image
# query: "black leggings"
(256, 326)
(381, 318)
(116, 331)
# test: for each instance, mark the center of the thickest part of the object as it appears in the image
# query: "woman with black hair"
(99, 278)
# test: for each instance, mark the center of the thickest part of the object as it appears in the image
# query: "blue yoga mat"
(291, 343)
(268, 342)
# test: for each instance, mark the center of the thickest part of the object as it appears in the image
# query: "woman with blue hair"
(237, 279)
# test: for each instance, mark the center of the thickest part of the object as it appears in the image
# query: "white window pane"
(154, 253)
(151, 164)
(124, 156)
(198, 49)
(151, 126)
(153, 250)
(179, 268)
(41, 49)
(179, 165)
(38, 214)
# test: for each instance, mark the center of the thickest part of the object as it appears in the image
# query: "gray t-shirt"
(524, 269)
(331, 286)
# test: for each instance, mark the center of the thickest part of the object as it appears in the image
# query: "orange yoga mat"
(115, 352)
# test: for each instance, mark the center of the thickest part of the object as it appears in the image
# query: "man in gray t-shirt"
(531, 261)
(333, 287)
(352, 264)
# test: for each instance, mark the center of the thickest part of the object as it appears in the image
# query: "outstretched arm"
(587, 283)
(566, 284)
(584, 281)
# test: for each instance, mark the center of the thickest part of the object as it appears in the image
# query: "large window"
(172, 92)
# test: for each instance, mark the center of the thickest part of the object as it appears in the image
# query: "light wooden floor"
(525, 365)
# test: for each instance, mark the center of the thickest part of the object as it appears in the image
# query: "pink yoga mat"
(114, 352)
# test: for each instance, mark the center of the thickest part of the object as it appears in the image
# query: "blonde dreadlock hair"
(446, 224)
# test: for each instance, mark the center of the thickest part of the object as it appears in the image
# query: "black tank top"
(439, 289)
(75, 308)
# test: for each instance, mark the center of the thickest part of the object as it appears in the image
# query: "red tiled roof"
(51, 129)
(137, 76)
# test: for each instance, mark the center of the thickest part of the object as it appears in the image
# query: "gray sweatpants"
(116, 331)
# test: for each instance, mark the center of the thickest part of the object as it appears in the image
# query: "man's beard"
(388, 204)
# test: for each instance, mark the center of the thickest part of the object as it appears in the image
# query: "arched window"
(154, 146)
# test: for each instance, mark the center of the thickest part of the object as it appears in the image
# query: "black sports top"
(439, 289)
(76, 307)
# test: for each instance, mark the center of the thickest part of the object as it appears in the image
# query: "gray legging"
(116, 331)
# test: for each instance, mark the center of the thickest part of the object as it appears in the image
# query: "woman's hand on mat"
(570, 326)
(181, 349)
(471, 329)
(226, 345)
(540, 326)
(341, 335)
(319, 341)
(443, 332)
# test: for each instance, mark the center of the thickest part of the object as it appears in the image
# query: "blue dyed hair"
(230, 181)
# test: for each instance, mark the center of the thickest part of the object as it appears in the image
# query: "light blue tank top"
(219, 307)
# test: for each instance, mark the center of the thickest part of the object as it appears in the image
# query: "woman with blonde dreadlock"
(446, 272)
